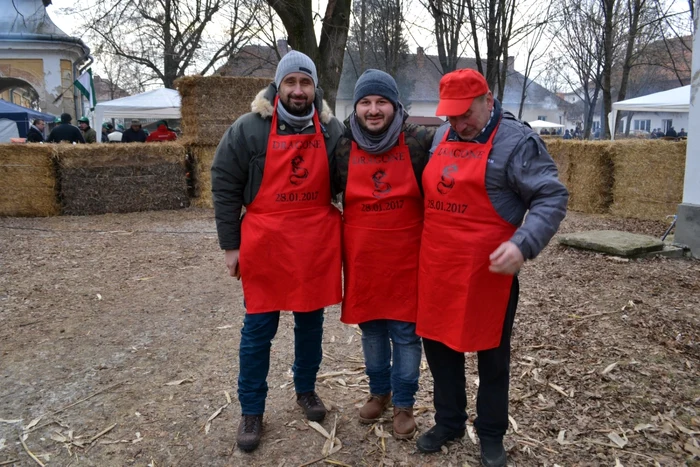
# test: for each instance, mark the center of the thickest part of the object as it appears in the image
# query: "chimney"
(420, 57)
(511, 63)
(282, 47)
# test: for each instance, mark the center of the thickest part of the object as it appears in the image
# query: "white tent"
(159, 103)
(673, 100)
(542, 124)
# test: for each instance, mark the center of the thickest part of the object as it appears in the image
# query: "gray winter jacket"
(237, 170)
(521, 178)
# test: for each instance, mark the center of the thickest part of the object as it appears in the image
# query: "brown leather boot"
(404, 423)
(374, 407)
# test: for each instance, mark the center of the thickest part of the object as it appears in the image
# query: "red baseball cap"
(458, 90)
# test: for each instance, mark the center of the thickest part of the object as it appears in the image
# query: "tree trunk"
(634, 10)
(608, 50)
(297, 19)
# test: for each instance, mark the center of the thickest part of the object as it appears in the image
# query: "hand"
(507, 259)
(231, 258)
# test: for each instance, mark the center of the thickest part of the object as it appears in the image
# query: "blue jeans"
(254, 355)
(401, 379)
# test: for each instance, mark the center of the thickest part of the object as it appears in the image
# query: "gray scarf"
(381, 143)
(298, 123)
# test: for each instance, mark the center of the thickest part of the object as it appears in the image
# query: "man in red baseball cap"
(486, 171)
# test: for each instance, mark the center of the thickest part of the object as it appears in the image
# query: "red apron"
(383, 220)
(460, 302)
(290, 256)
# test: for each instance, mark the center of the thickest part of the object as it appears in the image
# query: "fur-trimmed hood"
(263, 104)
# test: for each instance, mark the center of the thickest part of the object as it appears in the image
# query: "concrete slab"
(613, 242)
(669, 251)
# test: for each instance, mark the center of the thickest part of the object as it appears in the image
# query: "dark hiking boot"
(404, 423)
(492, 453)
(436, 437)
(374, 407)
(313, 406)
(249, 432)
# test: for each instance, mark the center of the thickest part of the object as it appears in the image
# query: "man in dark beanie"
(64, 131)
(380, 162)
(289, 243)
(134, 134)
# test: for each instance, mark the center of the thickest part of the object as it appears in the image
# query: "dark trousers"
(254, 355)
(449, 389)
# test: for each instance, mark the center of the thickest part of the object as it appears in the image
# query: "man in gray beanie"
(287, 252)
(379, 167)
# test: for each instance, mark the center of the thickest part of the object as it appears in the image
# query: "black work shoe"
(249, 432)
(492, 453)
(433, 439)
(313, 406)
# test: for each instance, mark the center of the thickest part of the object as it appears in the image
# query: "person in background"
(567, 135)
(486, 172)
(276, 161)
(379, 166)
(162, 134)
(135, 133)
(36, 131)
(64, 131)
(671, 132)
(682, 133)
(115, 136)
(89, 134)
(106, 129)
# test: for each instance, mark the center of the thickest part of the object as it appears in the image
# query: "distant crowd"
(576, 133)
(66, 131)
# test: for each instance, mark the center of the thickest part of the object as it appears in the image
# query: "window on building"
(596, 126)
(644, 125)
(666, 124)
(542, 117)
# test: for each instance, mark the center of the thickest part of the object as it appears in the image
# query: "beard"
(297, 109)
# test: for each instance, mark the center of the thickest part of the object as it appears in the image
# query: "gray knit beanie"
(376, 83)
(295, 62)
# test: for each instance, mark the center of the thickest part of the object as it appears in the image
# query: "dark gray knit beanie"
(295, 62)
(376, 83)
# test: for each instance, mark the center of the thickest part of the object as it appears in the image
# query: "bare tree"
(580, 45)
(534, 51)
(298, 19)
(171, 38)
(449, 17)
(377, 41)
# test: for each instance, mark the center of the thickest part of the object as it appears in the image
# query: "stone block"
(613, 242)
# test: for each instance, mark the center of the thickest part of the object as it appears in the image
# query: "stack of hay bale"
(642, 179)
(209, 105)
(117, 178)
(28, 179)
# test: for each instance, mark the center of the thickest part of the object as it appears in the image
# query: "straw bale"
(202, 158)
(586, 169)
(561, 153)
(210, 104)
(28, 180)
(648, 178)
(117, 178)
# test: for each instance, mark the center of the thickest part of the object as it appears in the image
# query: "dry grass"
(202, 158)
(210, 104)
(108, 178)
(648, 178)
(587, 170)
(28, 180)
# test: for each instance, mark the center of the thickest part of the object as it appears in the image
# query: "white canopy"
(673, 100)
(159, 103)
(542, 124)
